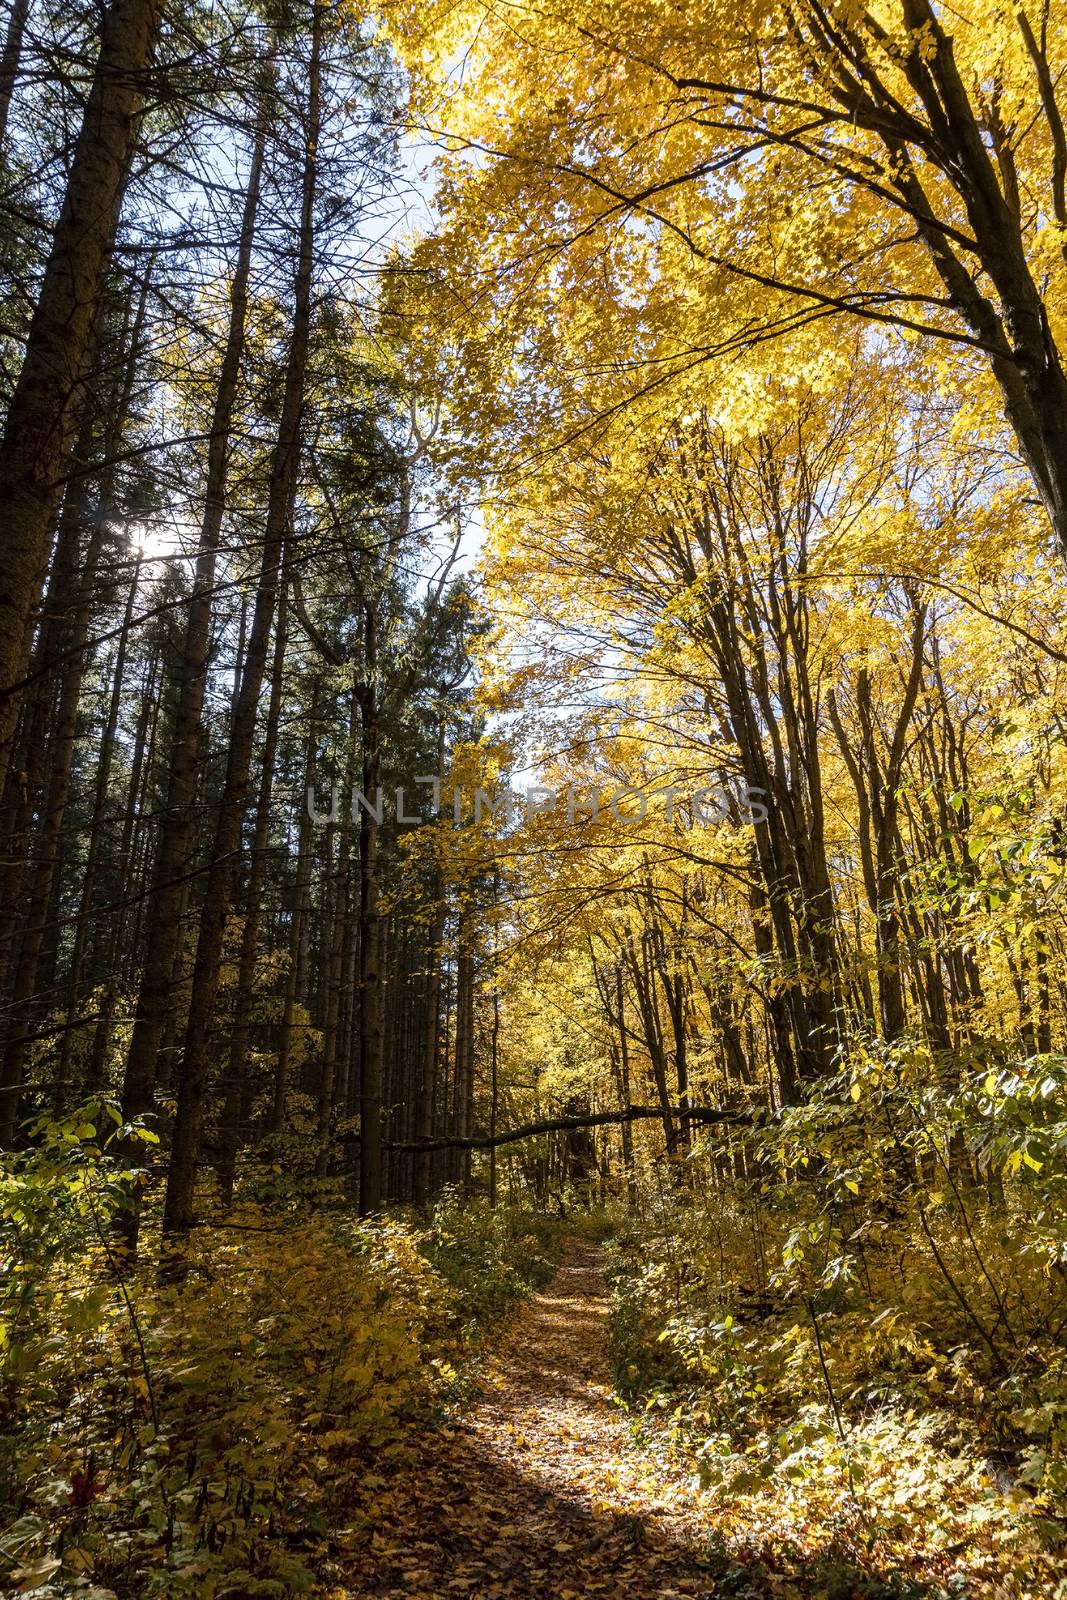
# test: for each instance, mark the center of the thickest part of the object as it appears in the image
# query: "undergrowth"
(199, 1438)
(853, 1339)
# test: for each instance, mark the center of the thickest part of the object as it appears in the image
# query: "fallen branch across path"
(597, 1119)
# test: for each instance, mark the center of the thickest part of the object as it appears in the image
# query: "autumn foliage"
(657, 415)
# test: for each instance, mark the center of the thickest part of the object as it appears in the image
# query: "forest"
(533, 799)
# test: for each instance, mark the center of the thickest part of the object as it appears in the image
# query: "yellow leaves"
(36, 1574)
(571, 301)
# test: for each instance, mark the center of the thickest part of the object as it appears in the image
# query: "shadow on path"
(538, 1495)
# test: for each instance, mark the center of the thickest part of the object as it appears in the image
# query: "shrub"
(866, 1331)
(196, 1438)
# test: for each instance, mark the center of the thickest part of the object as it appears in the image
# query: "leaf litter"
(537, 1491)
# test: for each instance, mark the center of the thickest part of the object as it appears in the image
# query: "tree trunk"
(219, 890)
(334, 965)
(11, 61)
(177, 832)
(298, 940)
(50, 389)
(237, 1067)
(96, 835)
(371, 1034)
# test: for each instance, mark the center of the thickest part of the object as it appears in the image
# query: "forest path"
(536, 1494)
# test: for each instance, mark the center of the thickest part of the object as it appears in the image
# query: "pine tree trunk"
(50, 388)
(110, 964)
(178, 830)
(371, 1030)
(11, 61)
(96, 835)
(219, 889)
(335, 959)
(431, 1039)
(301, 911)
(237, 1067)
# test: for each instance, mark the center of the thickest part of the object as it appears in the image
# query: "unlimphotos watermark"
(577, 804)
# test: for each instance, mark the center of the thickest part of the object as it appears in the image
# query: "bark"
(111, 964)
(47, 842)
(644, 992)
(38, 435)
(673, 984)
(334, 964)
(461, 1082)
(219, 889)
(494, 1092)
(64, 637)
(294, 986)
(96, 837)
(422, 1166)
(598, 1119)
(11, 61)
(237, 1066)
(26, 780)
(876, 781)
(178, 823)
(624, 1091)
(371, 1031)
(620, 1060)
(430, 1049)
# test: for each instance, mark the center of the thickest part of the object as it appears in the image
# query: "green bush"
(489, 1258)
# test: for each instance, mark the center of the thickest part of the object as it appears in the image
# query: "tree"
(50, 390)
(794, 163)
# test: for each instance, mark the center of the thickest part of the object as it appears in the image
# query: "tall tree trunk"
(237, 1066)
(11, 61)
(219, 889)
(47, 842)
(371, 1031)
(494, 1067)
(177, 832)
(50, 388)
(334, 966)
(25, 779)
(294, 986)
(65, 635)
(96, 836)
(430, 1047)
(110, 963)
(624, 1091)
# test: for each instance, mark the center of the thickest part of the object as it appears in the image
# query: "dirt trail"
(536, 1495)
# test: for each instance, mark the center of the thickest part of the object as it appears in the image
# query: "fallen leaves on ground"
(537, 1492)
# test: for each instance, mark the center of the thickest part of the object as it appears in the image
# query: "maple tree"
(755, 171)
